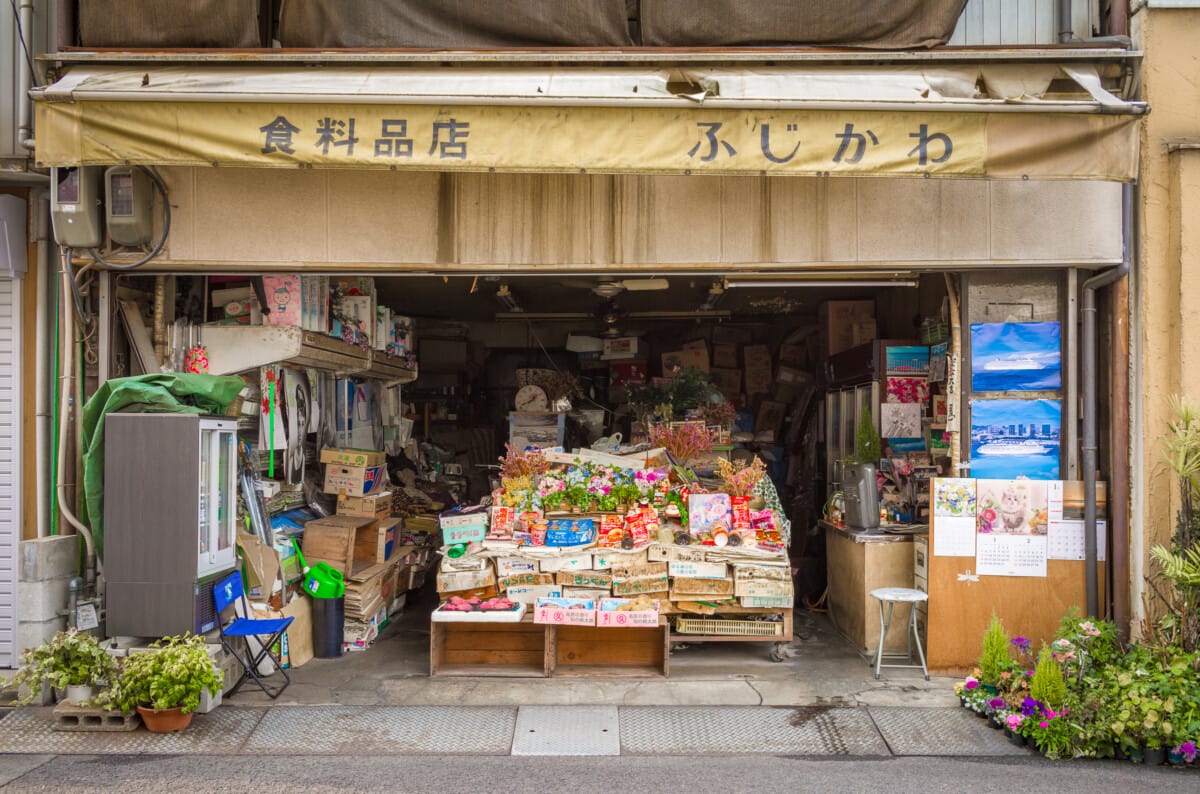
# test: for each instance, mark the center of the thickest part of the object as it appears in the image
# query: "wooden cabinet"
(858, 563)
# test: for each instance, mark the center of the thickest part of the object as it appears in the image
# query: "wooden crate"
(592, 651)
(336, 540)
(487, 649)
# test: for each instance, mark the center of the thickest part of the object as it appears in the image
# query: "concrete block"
(33, 633)
(49, 558)
(40, 601)
(69, 717)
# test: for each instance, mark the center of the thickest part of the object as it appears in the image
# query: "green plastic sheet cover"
(164, 392)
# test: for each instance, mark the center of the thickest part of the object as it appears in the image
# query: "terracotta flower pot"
(164, 720)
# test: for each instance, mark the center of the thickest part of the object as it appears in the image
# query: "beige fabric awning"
(957, 121)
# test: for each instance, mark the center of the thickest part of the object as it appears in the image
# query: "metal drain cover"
(221, 732)
(567, 730)
(384, 730)
(749, 729)
(940, 732)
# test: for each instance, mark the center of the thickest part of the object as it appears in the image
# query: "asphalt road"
(449, 774)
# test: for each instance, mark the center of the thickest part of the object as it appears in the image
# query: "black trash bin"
(329, 617)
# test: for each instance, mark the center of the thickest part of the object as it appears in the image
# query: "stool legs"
(912, 622)
(885, 622)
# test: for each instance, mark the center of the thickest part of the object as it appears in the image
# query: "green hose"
(54, 419)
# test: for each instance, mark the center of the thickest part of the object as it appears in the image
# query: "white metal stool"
(893, 596)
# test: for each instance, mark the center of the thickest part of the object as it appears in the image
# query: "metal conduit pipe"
(66, 376)
(24, 74)
(1087, 353)
(1065, 31)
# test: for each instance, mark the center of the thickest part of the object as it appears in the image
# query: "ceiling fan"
(609, 288)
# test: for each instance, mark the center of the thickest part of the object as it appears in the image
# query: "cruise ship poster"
(1015, 438)
(1016, 356)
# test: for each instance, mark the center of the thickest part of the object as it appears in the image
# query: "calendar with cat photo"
(1012, 507)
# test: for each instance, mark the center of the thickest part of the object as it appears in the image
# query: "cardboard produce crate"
(375, 505)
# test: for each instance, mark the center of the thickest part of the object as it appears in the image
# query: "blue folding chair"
(229, 592)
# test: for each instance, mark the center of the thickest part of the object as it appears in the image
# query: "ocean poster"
(1016, 356)
(1015, 438)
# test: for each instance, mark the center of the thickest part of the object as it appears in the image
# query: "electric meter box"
(75, 207)
(128, 194)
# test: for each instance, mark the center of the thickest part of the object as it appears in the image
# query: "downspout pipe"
(1087, 353)
(24, 74)
(1065, 32)
(1118, 18)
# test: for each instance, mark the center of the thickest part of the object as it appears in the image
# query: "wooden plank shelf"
(527, 649)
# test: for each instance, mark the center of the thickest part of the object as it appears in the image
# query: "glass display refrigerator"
(170, 513)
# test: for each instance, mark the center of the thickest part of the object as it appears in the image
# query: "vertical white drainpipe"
(43, 431)
(24, 74)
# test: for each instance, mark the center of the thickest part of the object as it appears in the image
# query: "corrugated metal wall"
(1000, 22)
(10, 464)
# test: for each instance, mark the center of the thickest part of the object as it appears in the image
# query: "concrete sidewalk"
(877, 731)
(821, 669)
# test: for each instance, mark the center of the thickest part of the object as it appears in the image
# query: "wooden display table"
(780, 639)
(859, 562)
(528, 649)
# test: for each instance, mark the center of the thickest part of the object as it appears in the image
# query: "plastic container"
(329, 618)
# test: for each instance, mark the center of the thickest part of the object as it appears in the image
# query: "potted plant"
(994, 658)
(165, 684)
(72, 660)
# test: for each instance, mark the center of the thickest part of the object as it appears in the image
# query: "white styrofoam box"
(578, 343)
(511, 566)
(698, 570)
(573, 562)
(529, 594)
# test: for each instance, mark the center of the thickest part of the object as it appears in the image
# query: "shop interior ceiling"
(597, 302)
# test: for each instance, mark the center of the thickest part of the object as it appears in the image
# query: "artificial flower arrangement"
(685, 442)
(740, 481)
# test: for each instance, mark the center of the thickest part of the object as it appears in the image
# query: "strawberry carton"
(627, 613)
(565, 611)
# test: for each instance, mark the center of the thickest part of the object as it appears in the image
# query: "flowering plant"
(648, 481)
(1050, 730)
(552, 490)
(522, 463)
(684, 441)
(1186, 751)
(723, 414)
(740, 482)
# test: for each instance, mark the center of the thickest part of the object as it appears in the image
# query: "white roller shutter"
(10, 464)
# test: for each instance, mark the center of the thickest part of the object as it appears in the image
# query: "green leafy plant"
(994, 659)
(1176, 583)
(1048, 685)
(171, 676)
(71, 658)
(868, 447)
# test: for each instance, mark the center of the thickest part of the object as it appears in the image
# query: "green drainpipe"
(54, 418)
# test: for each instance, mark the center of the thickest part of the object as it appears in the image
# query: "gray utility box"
(170, 505)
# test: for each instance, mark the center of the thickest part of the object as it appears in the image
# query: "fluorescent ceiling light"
(802, 283)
